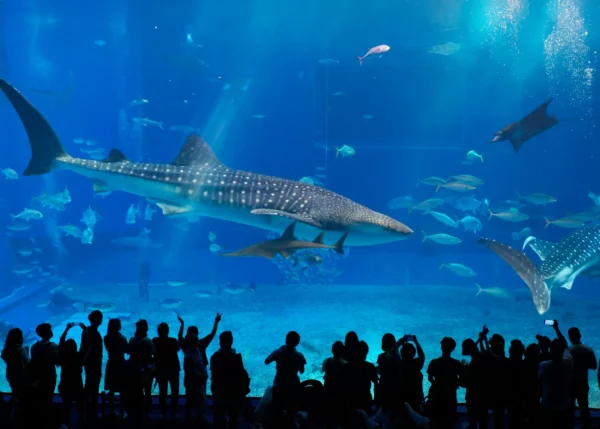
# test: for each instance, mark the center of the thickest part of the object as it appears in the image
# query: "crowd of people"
(534, 386)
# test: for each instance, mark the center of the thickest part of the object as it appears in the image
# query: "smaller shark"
(287, 244)
(536, 122)
(561, 263)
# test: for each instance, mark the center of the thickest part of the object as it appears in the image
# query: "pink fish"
(376, 50)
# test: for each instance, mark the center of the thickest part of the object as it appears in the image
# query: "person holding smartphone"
(411, 378)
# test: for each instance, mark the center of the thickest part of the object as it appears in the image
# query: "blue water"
(248, 78)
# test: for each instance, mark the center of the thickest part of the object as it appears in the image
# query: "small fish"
(139, 102)
(595, 198)
(564, 223)
(328, 61)
(203, 294)
(27, 215)
(432, 181)
(459, 269)
(92, 143)
(441, 238)
(91, 151)
(78, 141)
(587, 216)
(471, 223)
(175, 284)
(148, 213)
(538, 199)
(236, 289)
(524, 233)
(472, 156)
(467, 204)
(182, 129)
(88, 236)
(445, 219)
(212, 236)
(170, 303)
(496, 292)
(402, 202)
(71, 231)
(456, 186)
(427, 205)
(147, 122)
(105, 306)
(9, 174)
(449, 48)
(468, 179)
(513, 215)
(259, 116)
(215, 248)
(380, 49)
(132, 214)
(345, 151)
(100, 42)
(338, 94)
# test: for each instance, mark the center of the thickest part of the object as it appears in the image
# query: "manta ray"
(536, 122)
(197, 183)
(561, 262)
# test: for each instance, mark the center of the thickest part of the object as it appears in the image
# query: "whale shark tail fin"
(45, 145)
(526, 269)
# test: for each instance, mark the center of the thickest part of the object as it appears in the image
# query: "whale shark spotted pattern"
(561, 263)
(198, 183)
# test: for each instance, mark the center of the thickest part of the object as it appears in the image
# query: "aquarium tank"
(414, 167)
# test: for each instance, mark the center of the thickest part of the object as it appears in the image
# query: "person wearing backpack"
(230, 383)
(42, 371)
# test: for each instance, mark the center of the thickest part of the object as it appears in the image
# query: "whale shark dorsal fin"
(288, 234)
(294, 216)
(115, 155)
(195, 152)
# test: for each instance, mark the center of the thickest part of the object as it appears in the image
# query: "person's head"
(574, 335)
(191, 341)
(337, 349)
(226, 340)
(469, 348)
(163, 330)
(408, 351)
(448, 345)
(95, 318)
(141, 328)
(193, 330)
(292, 339)
(114, 326)
(351, 340)
(497, 344)
(44, 331)
(70, 347)
(362, 350)
(557, 348)
(387, 342)
(532, 351)
(516, 349)
(544, 343)
(14, 339)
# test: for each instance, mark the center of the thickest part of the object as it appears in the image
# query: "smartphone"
(549, 322)
(409, 337)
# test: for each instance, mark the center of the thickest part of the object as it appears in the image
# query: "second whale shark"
(197, 183)
(561, 263)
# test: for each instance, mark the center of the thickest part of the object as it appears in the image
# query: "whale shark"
(561, 262)
(197, 183)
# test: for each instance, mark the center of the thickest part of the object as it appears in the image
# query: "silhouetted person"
(516, 387)
(473, 380)
(388, 367)
(16, 358)
(167, 368)
(351, 351)
(71, 362)
(584, 359)
(444, 376)
(202, 343)
(334, 382)
(116, 347)
(42, 371)
(411, 377)
(290, 362)
(531, 383)
(359, 376)
(143, 281)
(92, 347)
(556, 378)
(195, 377)
(229, 383)
(544, 344)
(139, 370)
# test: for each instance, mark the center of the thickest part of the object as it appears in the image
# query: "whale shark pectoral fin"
(541, 247)
(526, 269)
(304, 219)
(172, 210)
